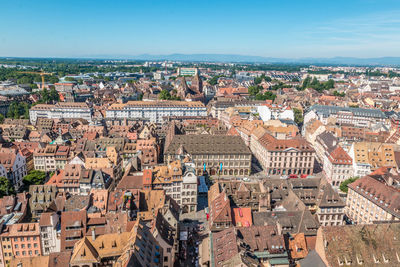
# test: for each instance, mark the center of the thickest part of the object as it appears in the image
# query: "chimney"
(93, 233)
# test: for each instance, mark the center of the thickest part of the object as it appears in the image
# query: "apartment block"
(155, 111)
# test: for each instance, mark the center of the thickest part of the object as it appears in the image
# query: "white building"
(338, 166)
(187, 71)
(155, 111)
(361, 167)
(179, 181)
(48, 233)
(13, 166)
(275, 112)
(189, 188)
(359, 117)
(61, 110)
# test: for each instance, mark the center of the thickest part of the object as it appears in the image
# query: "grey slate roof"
(328, 139)
(312, 260)
(291, 221)
(208, 144)
(362, 112)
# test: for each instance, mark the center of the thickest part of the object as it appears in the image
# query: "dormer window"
(376, 260)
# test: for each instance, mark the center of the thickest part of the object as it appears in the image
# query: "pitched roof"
(220, 210)
(84, 252)
(273, 144)
(384, 196)
(208, 144)
(242, 217)
(339, 156)
(224, 246)
(361, 244)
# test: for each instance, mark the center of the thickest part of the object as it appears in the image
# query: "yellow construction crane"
(42, 74)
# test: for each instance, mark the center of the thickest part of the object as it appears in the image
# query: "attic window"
(375, 259)
(359, 260)
(384, 258)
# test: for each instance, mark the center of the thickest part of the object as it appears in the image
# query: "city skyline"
(362, 29)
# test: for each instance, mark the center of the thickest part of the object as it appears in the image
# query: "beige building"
(370, 200)
(337, 166)
(216, 154)
(284, 157)
(370, 156)
(50, 158)
(179, 181)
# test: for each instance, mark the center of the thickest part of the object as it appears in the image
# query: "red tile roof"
(242, 217)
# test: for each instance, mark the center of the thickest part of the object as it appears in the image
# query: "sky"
(269, 28)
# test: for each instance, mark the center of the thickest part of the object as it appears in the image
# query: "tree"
(254, 90)
(6, 188)
(214, 80)
(69, 79)
(344, 185)
(18, 110)
(53, 79)
(164, 95)
(45, 95)
(298, 116)
(329, 84)
(34, 177)
(25, 80)
(315, 84)
(1, 118)
(53, 95)
(336, 93)
(266, 96)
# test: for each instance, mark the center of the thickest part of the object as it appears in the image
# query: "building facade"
(155, 111)
(370, 200)
(283, 157)
(338, 166)
(50, 239)
(61, 110)
(215, 154)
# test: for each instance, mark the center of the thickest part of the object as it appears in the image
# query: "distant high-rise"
(187, 71)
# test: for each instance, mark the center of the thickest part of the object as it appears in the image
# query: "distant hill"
(232, 58)
(393, 61)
